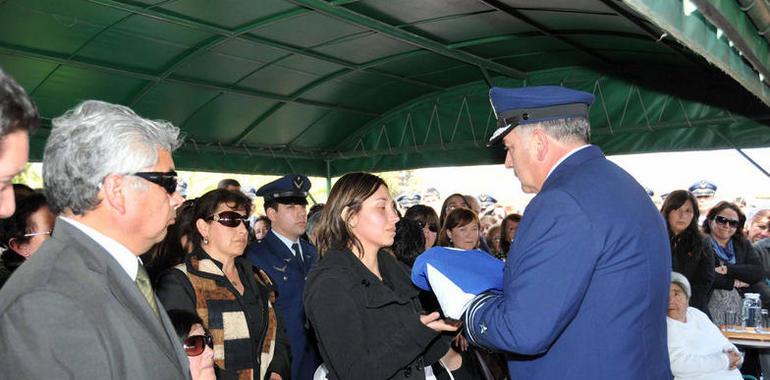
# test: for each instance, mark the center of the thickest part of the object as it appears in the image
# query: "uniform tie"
(295, 248)
(143, 283)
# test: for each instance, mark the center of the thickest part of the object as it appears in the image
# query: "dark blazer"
(368, 328)
(71, 311)
(698, 267)
(288, 274)
(747, 267)
(586, 283)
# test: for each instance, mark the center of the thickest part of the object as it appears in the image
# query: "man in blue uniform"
(287, 259)
(585, 287)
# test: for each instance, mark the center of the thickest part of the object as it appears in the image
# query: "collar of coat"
(376, 292)
(199, 263)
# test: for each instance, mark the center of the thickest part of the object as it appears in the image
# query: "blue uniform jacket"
(288, 273)
(585, 287)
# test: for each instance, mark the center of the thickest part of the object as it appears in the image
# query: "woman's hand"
(722, 269)
(735, 358)
(433, 322)
(460, 342)
(740, 284)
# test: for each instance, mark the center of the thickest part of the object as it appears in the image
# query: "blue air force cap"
(289, 189)
(703, 188)
(517, 106)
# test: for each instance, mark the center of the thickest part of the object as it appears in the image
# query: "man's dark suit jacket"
(72, 312)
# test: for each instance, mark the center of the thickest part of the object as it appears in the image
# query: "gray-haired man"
(82, 307)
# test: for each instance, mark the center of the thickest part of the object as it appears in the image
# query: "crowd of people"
(109, 273)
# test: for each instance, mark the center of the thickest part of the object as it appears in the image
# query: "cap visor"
(499, 135)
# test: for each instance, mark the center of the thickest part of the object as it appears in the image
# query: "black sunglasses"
(166, 180)
(196, 344)
(230, 219)
(721, 220)
(432, 227)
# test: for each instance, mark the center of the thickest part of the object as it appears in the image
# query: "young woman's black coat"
(368, 328)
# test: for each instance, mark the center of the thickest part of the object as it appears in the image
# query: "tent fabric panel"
(472, 26)
(225, 13)
(66, 27)
(284, 125)
(224, 117)
(365, 48)
(217, 68)
(173, 102)
(307, 30)
(68, 86)
(401, 12)
(139, 44)
(700, 36)
(277, 79)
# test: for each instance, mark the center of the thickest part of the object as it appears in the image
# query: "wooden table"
(746, 337)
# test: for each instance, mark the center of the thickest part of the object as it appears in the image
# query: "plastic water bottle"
(751, 312)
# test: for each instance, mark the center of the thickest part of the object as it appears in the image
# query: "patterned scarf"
(726, 254)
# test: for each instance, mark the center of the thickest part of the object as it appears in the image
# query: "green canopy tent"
(327, 87)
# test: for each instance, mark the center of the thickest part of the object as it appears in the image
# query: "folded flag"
(456, 276)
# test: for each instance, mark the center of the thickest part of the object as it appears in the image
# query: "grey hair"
(571, 129)
(93, 140)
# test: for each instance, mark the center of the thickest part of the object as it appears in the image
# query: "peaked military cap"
(407, 200)
(518, 106)
(486, 200)
(289, 189)
(703, 188)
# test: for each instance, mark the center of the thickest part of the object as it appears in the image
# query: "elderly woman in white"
(696, 347)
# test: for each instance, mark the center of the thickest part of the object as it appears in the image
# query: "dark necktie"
(143, 283)
(295, 248)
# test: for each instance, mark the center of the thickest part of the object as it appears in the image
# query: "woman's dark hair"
(263, 219)
(689, 241)
(170, 251)
(206, 206)
(490, 238)
(443, 216)
(345, 200)
(19, 224)
(423, 214)
(738, 235)
(409, 241)
(16, 226)
(457, 218)
(505, 244)
(183, 321)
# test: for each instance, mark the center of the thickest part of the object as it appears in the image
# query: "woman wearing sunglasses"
(359, 299)
(24, 232)
(234, 298)
(737, 264)
(197, 343)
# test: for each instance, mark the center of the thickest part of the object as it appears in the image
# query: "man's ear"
(114, 190)
(539, 141)
(270, 213)
(20, 248)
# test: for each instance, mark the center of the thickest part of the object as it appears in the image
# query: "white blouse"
(696, 347)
